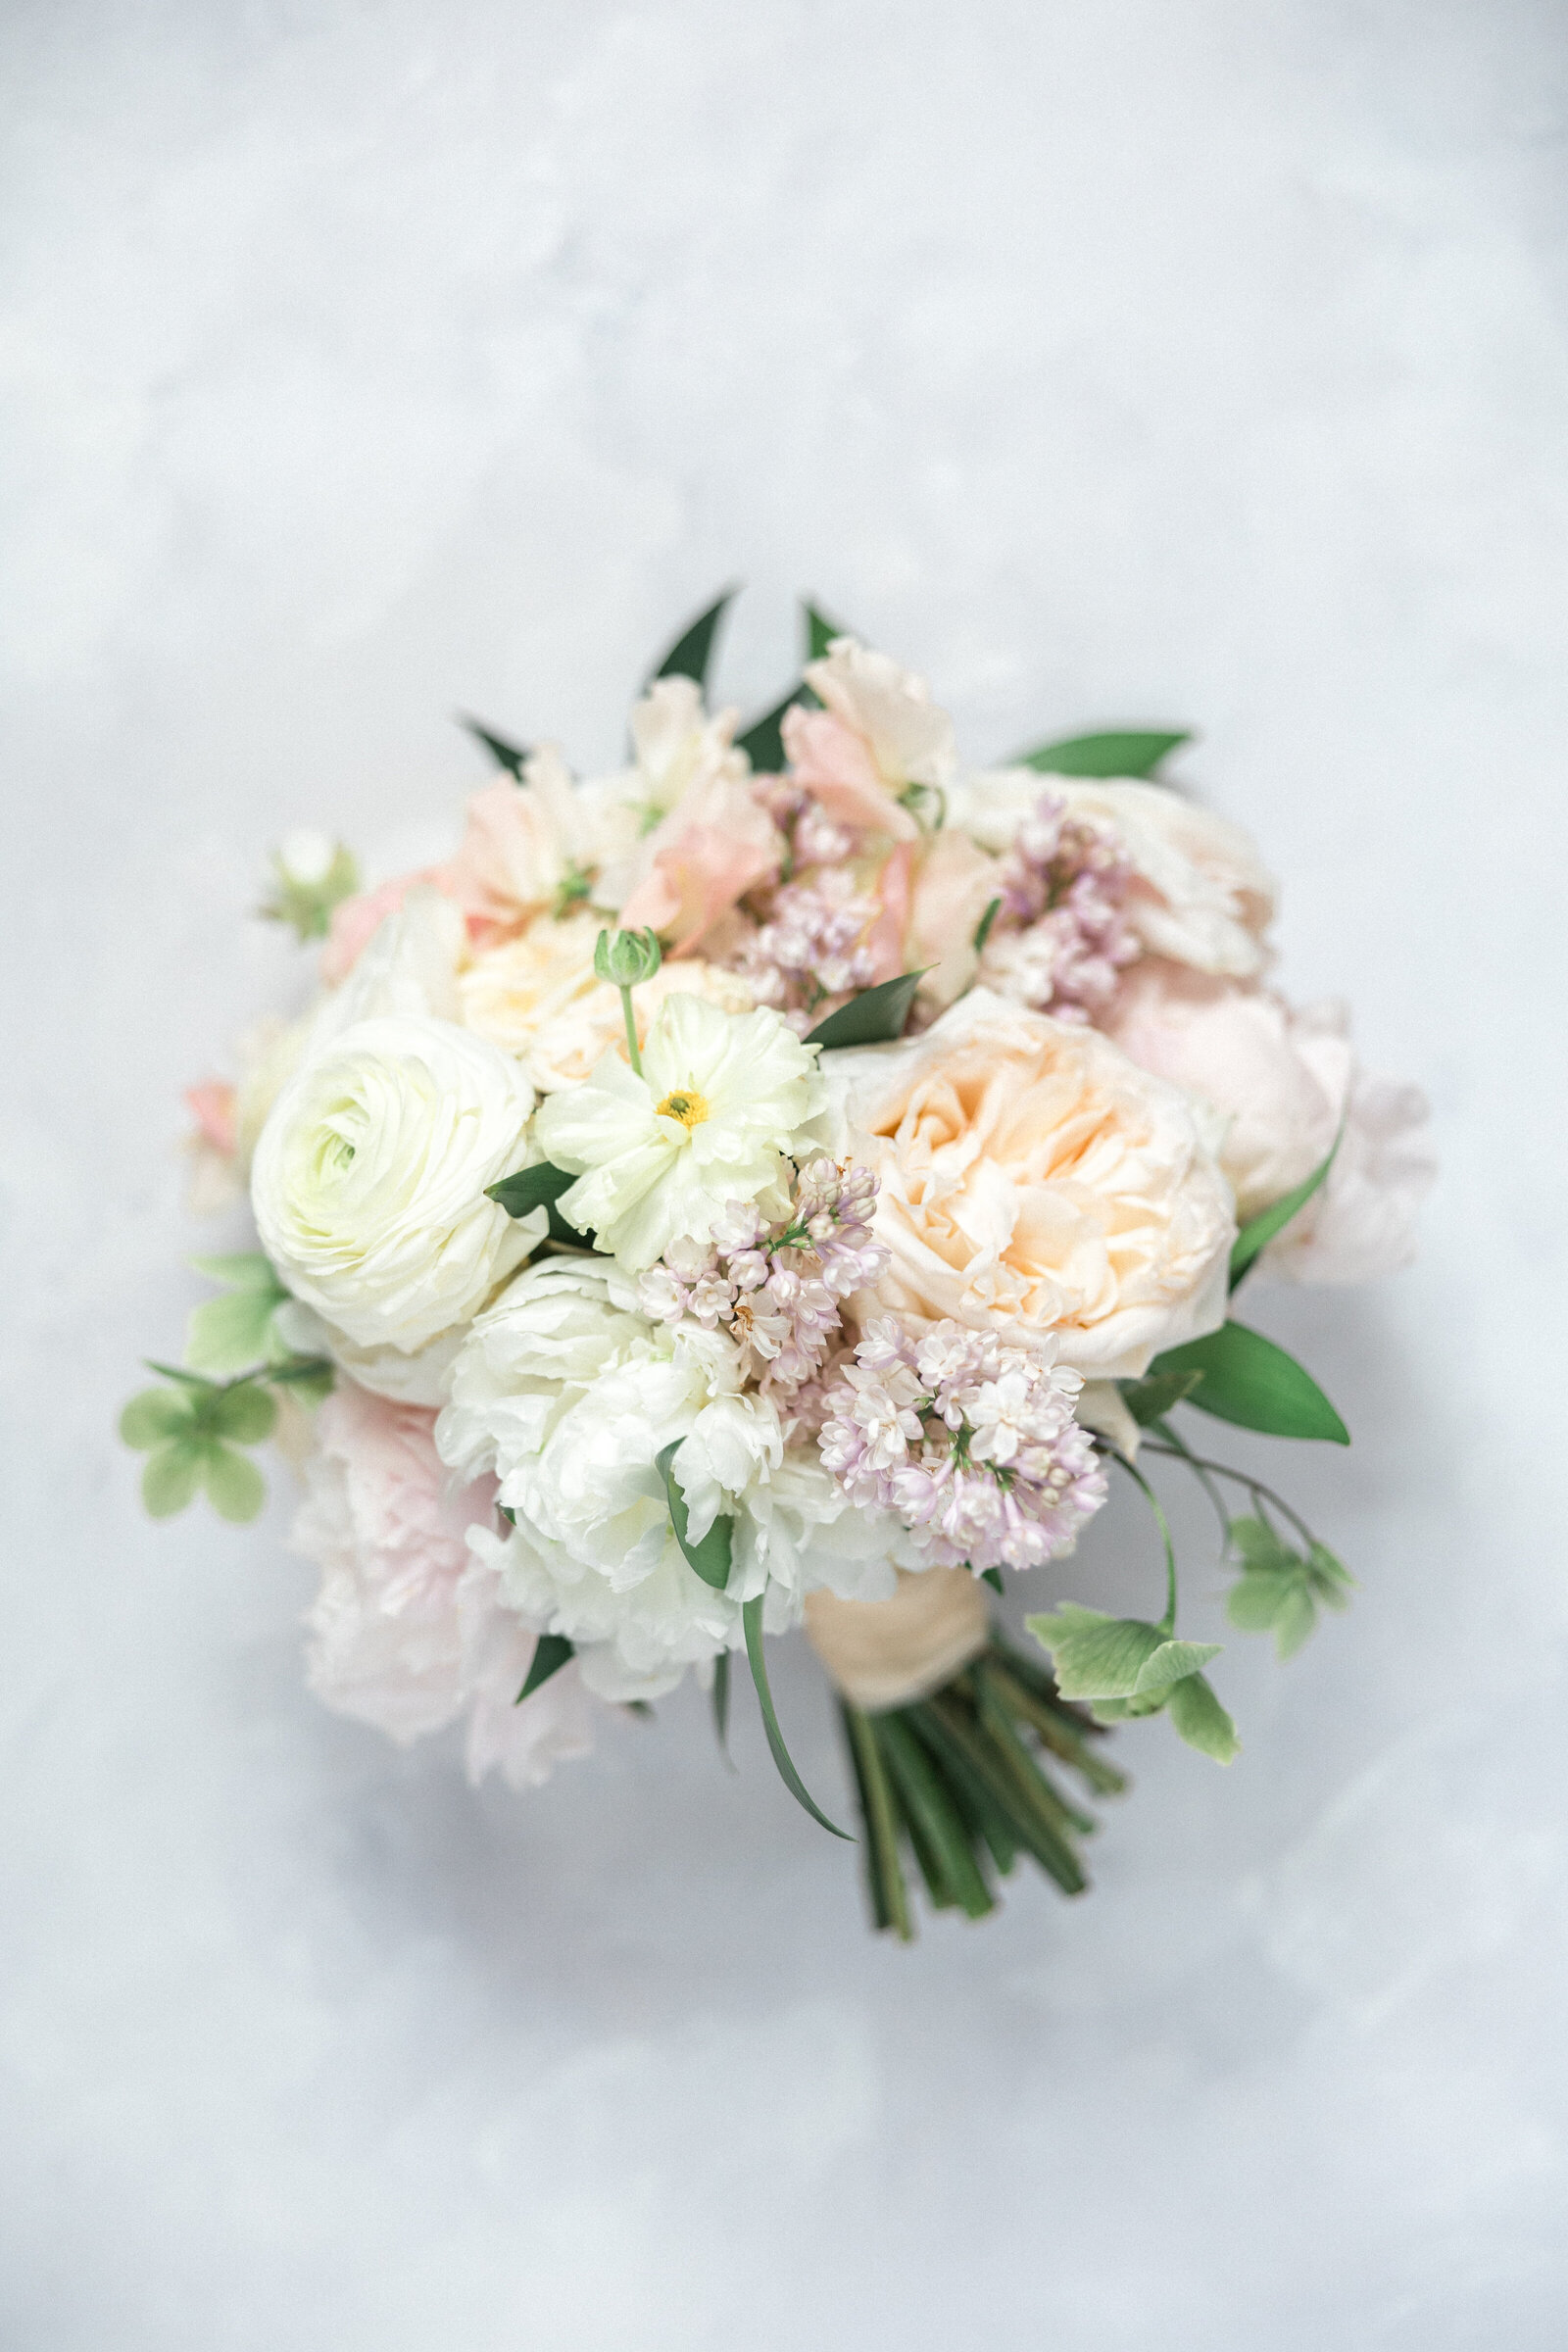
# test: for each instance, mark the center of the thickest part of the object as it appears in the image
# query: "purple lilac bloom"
(969, 1439)
(1062, 938)
(777, 1289)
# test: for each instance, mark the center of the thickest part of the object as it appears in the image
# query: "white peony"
(721, 1098)
(368, 1183)
(568, 1396)
(1200, 894)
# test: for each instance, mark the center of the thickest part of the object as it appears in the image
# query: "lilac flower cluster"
(969, 1439)
(777, 1288)
(1060, 937)
(809, 946)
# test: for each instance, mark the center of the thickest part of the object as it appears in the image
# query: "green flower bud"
(625, 957)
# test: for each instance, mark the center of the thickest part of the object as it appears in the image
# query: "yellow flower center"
(685, 1105)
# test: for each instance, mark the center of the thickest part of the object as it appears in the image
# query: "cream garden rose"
(368, 1183)
(1029, 1169)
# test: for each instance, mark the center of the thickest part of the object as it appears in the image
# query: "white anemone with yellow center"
(723, 1099)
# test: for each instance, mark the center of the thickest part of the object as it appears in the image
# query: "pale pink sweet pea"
(354, 922)
(877, 733)
(408, 1631)
(836, 767)
(955, 881)
(718, 843)
(522, 843)
(211, 1105)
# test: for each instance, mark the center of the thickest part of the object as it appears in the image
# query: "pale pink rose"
(1283, 1082)
(1030, 1171)
(407, 1632)
(354, 922)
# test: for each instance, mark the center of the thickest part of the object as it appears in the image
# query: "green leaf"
(1095, 1656)
(550, 1653)
(505, 754)
(993, 1578)
(720, 1699)
(244, 1413)
(710, 1558)
(874, 1017)
(196, 1382)
(982, 929)
(819, 631)
(311, 1377)
(764, 740)
(236, 1488)
(155, 1416)
(1202, 1721)
(1257, 1233)
(752, 1620)
(532, 1188)
(1172, 1663)
(1277, 1590)
(241, 1270)
(1247, 1379)
(232, 1334)
(692, 650)
(170, 1477)
(1130, 752)
(1152, 1398)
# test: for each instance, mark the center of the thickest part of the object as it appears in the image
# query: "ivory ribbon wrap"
(888, 1653)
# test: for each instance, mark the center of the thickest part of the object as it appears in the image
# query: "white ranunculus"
(1200, 894)
(368, 1183)
(1284, 1082)
(723, 1098)
(568, 1396)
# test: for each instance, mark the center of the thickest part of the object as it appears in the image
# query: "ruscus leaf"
(509, 756)
(1150, 1399)
(1247, 1380)
(875, 1017)
(692, 654)
(819, 631)
(710, 1558)
(1122, 752)
(1258, 1232)
(550, 1653)
(764, 740)
(752, 1621)
(538, 1187)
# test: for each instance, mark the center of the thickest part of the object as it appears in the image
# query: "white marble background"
(1201, 362)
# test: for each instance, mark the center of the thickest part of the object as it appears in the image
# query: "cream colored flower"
(1201, 896)
(1028, 1169)
(368, 1184)
(722, 1100)
(538, 997)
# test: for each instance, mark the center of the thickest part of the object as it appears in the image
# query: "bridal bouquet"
(790, 1179)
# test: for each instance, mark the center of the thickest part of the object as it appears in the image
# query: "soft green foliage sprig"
(191, 1432)
(307, 884)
